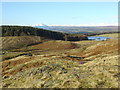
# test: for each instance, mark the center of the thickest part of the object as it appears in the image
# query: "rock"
(49, 83)
(5, 77)
(46, 69)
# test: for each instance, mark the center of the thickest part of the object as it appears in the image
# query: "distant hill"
(21, 36)
(80, 29)
(30, 31)
(44, 34)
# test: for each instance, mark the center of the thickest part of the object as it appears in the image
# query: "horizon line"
(101, 24)
(57, 25)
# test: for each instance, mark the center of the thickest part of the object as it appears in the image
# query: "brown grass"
(25, 67)
(11, 63)
(18, 41)
(105, 47)
(55, 45)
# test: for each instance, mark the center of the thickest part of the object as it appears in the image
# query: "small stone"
(6, 77)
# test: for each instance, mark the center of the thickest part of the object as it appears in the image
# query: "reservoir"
(99, 38)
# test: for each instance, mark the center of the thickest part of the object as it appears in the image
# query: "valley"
(62, 64)
(59, 45)
(80, 29)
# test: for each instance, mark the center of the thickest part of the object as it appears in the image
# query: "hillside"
(31, 31)
(21, 36)
(63, 64)
(14, 42)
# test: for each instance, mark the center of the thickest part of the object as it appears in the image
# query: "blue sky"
(59, 13)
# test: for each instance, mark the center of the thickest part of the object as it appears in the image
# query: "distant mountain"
(80, 29)
(42, 26)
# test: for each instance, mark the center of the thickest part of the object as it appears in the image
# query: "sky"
(60, 13)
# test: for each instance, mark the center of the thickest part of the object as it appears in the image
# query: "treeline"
(30, 31)
(75, 37)
(45, 34)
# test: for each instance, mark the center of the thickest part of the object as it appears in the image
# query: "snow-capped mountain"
(44, 26)
(77, 28)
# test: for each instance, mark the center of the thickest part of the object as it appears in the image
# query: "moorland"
(39, 58)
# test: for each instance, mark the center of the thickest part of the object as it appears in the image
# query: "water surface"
(99, 38)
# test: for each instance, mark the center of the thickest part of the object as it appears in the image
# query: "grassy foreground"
(63, 64)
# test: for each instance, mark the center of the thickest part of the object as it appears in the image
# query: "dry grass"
(103, 48)
(18, 41)
(6, 65)
(24, 67)
(114, 35)
(98, 47)
(57, 70)
(55, 45)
